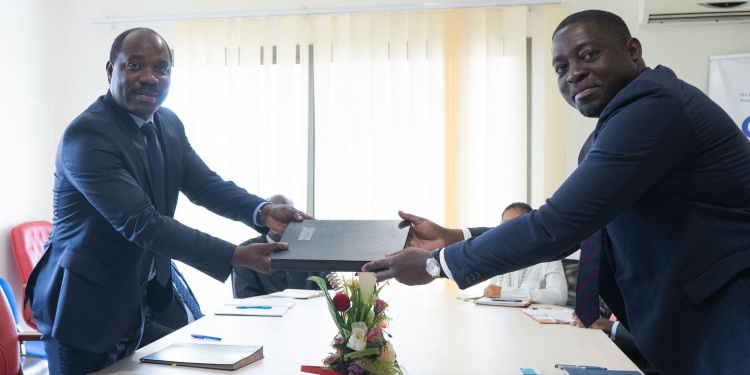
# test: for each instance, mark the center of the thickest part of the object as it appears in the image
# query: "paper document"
(297, 294)
(549, 316)
(256, 306)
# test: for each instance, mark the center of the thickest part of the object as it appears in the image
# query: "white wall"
(26, 150)
(683, 48)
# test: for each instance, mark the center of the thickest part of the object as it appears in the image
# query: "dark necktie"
(155, 160)
(185, 295)
(587, 286)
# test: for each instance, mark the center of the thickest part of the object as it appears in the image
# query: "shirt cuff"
(445, 265)
(614, 330)
(506, 293)
(467, 233)
(256, 218)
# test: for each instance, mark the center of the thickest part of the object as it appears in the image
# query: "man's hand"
(277, 216)
(407, 266)
(492, 291)
(602, 323)
(257, 255)
(425, 234)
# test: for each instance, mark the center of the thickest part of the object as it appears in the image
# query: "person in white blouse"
(542, 283)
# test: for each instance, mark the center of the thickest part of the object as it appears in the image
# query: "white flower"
(388, 354)
(366, 285)
(357, 340)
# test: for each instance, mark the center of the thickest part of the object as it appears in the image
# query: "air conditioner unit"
(668, 12)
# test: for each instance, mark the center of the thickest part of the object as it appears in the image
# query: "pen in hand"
(205, 337)
(264, 307)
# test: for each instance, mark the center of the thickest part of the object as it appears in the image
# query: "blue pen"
(206, 337)
(505, 300)
(563, 367)
(264, 307)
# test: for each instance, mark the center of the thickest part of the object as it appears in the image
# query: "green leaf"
(337, 318)
(362, 353)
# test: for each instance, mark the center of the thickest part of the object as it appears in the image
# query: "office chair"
(27, 241)
(570, 267)
(11, 359)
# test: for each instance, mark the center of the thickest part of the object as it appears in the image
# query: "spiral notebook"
(256, 306)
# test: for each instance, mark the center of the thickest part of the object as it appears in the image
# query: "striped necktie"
(185, 295)
(158, 176)
(587, 285)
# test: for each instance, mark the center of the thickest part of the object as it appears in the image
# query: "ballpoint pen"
(205, 337)
(264, 307)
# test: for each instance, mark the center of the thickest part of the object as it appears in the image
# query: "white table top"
(433, 333)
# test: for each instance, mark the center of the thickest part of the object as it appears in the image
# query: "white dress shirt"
(543, 283)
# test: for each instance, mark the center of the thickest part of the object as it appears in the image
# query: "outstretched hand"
(407, 266)
(257, 255)
(425, 234)
(278, 216)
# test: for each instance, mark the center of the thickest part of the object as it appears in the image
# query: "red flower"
(380, 305)
(341, 301)
(373, 335)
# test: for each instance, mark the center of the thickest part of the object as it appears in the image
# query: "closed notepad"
(220, 357)
(338, 245)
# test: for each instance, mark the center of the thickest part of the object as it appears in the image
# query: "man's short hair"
(609, 22)
(117, 44)
(518, 206)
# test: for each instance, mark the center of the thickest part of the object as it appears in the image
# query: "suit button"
(477, 275)
(468, 279)
(144, 283)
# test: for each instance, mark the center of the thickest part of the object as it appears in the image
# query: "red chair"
(27, 241)
(10, 340)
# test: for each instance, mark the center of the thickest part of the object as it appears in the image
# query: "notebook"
(501, 302)
(220, 357)
(583, 371)
(338, 245)
(256, 306)
(549, 316)
(297, 294)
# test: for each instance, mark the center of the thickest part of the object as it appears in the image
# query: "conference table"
(433, 333)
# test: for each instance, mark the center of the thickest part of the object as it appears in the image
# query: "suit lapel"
(171, 154)
(134, 135)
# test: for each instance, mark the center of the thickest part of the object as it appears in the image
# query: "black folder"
(213, 356)
(338, 245)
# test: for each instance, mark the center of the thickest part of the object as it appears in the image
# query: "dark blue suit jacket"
(668, 173)
(90, 284)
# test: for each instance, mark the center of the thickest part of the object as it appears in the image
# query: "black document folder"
(338, 245)
(221, 357)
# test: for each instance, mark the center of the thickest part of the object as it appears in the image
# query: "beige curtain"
(418, 111)
(241, 91)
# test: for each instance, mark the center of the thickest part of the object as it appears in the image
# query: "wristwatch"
(433, 266)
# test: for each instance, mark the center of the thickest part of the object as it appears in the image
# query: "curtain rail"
(319, 11)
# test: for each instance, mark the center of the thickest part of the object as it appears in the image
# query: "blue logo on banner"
(746, 126)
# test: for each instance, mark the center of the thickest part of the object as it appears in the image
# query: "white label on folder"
(306, 234)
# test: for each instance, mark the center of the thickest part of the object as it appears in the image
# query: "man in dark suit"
(183, 310)
(249, 283)
(119, 168)
(659, 205)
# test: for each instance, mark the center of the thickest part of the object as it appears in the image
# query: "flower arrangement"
(360, 346)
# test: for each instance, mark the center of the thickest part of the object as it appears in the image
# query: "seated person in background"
(183, 310)
(249, 283)
(541, 283)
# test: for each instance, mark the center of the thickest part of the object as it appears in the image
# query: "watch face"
(432, 267)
